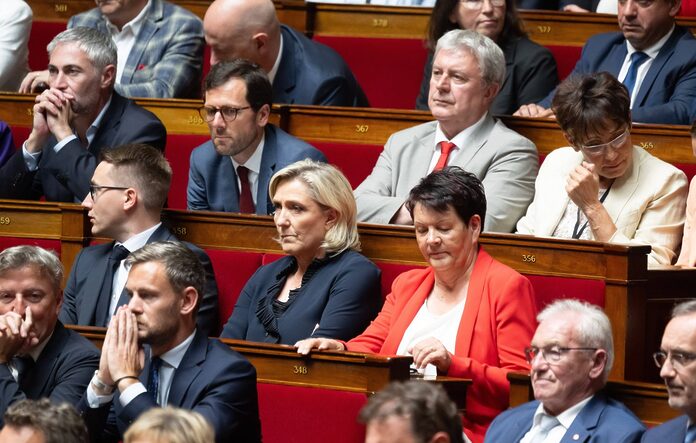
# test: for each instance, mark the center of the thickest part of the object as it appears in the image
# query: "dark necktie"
(246, 203)
(103, 316)
(445, 149)
(23, 365)
(153, 379)
(637, 59)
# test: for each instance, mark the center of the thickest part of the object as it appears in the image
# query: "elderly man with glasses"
(603, 187)
(231, 172)
(571, 355)
(677, 362)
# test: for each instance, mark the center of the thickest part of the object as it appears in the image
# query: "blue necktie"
(690, 434)
(637, 59)
(153, 380)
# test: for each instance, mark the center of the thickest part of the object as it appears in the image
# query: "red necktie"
(445, 149)
(246, 203)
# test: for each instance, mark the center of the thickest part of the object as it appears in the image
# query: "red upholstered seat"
(293, 414)
(270, 258)
(178, 152)
(232, 270)
(355, 161)
(40, 36)
(547, 289)
(20, 134)
(388, 69)
(688, 168)
(566, 58)
(389, 272)
(53, 245)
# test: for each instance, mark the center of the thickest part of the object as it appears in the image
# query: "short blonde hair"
(329, 188)
(170, 425)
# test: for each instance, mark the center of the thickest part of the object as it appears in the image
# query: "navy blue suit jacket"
(81, 295)
(311, 73)
(602, 420)
(338, 301)
(668, 432)
(65, 176)
(669, 86)
(212, 184)
(212, 379)
(62, 371)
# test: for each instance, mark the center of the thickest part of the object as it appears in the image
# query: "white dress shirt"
(125, 39)
(565, 419)
(459, 140)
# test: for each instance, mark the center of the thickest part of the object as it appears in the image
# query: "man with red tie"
(468, 71)
(231, 172)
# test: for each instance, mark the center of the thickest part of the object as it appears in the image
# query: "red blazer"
(499, 313)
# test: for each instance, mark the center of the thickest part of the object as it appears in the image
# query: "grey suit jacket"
(647, 204)
(502, 159)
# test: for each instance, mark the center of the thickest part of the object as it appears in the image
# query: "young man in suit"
(571, 355)
(231, 172)
(38, 356)
(677, 362)
(302, 71)
(40, 421)
(127, 193)
(160, 47)
(153, 355)
(468, 70)
(652, 56)
(78, 116)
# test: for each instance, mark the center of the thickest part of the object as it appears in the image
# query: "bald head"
(243, 29)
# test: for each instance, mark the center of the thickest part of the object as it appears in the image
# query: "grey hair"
(182, 266)
(47, 262)
(684, 308)
(593, 329)
(99, 48)
(490, 57)
(329, 188)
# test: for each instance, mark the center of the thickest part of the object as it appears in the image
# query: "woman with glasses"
(323, 287)
(530, 68)
(465, 315)
(603, 187)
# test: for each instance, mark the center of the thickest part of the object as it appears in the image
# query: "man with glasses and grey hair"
(677, 362)
(468, 71)
(38, 356)
(78, 116)
(125, 200)
(571, 355)
(231, 172)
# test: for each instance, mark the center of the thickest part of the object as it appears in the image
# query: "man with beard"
(677, 362)
(231, 172)
(78, 116)
(153, 355)
(652, 56)
(571, 355)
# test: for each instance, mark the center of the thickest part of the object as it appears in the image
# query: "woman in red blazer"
(494, 305)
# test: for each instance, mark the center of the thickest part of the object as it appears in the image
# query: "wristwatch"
(101, 386)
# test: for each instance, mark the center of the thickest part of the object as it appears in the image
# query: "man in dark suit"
(74, 120)
(303, 72)
(182, 367)
(677, 361)
(231, 172)
(127, 193)
(571, 355)
(38, 356)
(652, 56)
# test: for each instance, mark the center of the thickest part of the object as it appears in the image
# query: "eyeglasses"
(229, 114)
(551, 354)
(94, 188)
(597, 150)
(676, 358)
(475, 5)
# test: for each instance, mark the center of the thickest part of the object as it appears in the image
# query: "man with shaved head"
(302, 72)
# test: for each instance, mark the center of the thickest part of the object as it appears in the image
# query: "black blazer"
(62, 371)
(338, 301)
(65, 176)
(212, 379)
(80, 298)
(530, 74)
